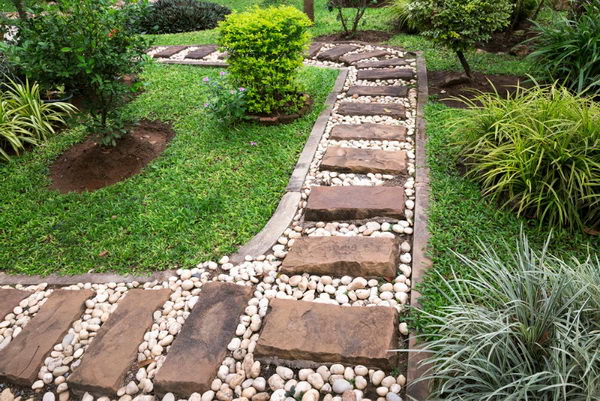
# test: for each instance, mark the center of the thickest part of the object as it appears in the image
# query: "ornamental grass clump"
(537, 152)
(526, 329)
(265, 51)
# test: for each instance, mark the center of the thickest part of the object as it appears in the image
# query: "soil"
(362, 36)
(510, 42)
(438, 86)
(88, 165)
(282, 118)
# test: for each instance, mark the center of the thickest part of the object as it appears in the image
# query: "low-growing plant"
(173, 16)
(400, 17)
(350, 20)
(537, 152)
(225, 102)
(265, 48)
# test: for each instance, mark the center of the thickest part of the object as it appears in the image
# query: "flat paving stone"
(397, 91)
(372, 109)
(201, 52)
(335, 53)
(354, 203)
(9, 299)
(393, 62)
(385, 73)
(21, 360)
(201, 346)
(363, 161)
(169, 51)
(342, 256)
(368, 131)
(111, 354)
(321, 333)
(353, 58)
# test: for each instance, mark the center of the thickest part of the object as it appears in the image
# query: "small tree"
(459, 24)
(351, 20)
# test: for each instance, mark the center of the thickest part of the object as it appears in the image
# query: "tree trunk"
(309, 9)
(464, 63)
(20, 6)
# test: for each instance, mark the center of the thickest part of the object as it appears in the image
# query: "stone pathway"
(316, 319)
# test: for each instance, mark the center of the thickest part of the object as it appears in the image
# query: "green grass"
(459, 218)
(208, 193)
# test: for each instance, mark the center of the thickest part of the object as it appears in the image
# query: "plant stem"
(20, 6)
(464, 63)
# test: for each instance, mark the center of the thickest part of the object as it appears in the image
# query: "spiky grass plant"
(537, 152)
(524, 330)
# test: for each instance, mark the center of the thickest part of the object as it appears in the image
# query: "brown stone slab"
(199, 349)
(394, 62)
(385, 73)
(342, 256)
(397, 91)
(335, 53)
(22, 359)
(322, 333)
(363, 161)
(169, 51)
(201, 52)
(110, 355)
(368, 131)
(354, 203)
(314, 48)
(353, 58)
(372, 109)
(9, 299)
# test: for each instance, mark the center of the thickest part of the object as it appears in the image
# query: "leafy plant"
(459, 24)
(173, 16)
(225, 103)
(265, 48)
(537, 152)
(568, 51)
(400, 16)
(526, 329)
(350, 21)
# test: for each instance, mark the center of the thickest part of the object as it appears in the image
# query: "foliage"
(225, 102)
(524, 9)
(459, 24)
(25, 119)
(265, 48)
(568, 51)
(400, 17)
(171, 16)
(538, 152)
(526, 329)
(351, 21)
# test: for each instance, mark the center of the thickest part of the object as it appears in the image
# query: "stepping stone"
(21, 360)
(393, 62)
(169, 51)
(201, 346)
(398, 91)
(342, 256)
(335, 53)
(354, 203)
(394, 110)
(386, 73)
(9, 299)
(363, 161)
(368, 131)
(201, 52)
(320, 333)
(314, 48)
(114, 350)
(353, 58)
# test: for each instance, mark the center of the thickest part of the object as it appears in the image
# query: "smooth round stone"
(341, 385)
(392, 397)
(377, 377)
(337, 369)
(285, 373)
(361, 370)
(169, 396)
(311, 395)
(48, 397)
(388, 381)
(316, 380)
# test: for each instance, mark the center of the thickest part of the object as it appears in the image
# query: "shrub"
(265, 48)
(172, 16)
(568, 51)
(225, 103)
(400, 17)
(350, 22)
(538, 152)
(523, 330)
(459, 24)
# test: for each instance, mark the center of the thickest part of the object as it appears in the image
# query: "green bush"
(265, 48)
(400, 17)
(568, 51)
(527, 329)
(173, 16)
(537, 152)
(460, 24)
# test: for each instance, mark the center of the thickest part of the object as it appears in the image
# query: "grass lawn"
(208, 193)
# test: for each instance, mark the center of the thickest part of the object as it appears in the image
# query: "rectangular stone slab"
(323, 333)
(363, 161)
(21, 360)
(201, 52)
(398, 91)
(342, 256)
(354, 203)
(110, 355)
(385, 73)
(353, 58)
(372, 109)
(368, 131)
(394, 62)
(9, 299)
(169, 51)
(201, 346)
(335, 53)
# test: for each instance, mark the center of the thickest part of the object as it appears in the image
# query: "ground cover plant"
(171, 16)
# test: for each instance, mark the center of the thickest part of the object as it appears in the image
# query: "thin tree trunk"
(538, 9)
(465, 64)
(309, 9)
(20, 6)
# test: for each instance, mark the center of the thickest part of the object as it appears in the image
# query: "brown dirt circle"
(88, 166)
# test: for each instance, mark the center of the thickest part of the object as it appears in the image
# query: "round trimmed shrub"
(173, 16)
(265, 49)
